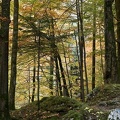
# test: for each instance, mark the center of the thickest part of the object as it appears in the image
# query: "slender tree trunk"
(94, 46)
(84, 50)
(53, 56)
(4, 38)
(14, 57)
(34, 75)
(66, 65)
(29, 91)
(57, 56)
(51, 75)
(81, 45)
(38, 74)
(101, 55)
(65, 89)
(38, 67)
(58, 80)
(111, 75)
(85, 66)
(117, 5)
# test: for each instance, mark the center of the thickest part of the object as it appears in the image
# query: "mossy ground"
(98, 106)
(51, 108)
(108, 96)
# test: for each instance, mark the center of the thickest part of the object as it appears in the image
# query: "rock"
(92, 94)
(103, 103)
(114, 114)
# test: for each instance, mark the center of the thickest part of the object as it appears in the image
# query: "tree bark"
(65, 89)
(14, 57)
(110, 75)
(4, 38)
(38, 74)
(94, 46)
(34, 76)
(117, 5)
(58, 80)
(81, 46)
(67, 71)
(51, 75)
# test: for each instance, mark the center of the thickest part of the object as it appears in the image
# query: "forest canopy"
(56, 48)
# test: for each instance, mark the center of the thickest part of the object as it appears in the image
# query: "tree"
(51, 74)
(33, 79)
(111, 75)
(117, 5)
(94, 44)
(14, 57)
(81, 47)
(4, 37)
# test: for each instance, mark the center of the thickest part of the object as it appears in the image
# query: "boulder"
(114, 114)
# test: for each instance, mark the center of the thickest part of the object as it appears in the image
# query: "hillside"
(98, 105)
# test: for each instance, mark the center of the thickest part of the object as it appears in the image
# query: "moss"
(74, 114)
(94, 114)
(106, 92)
(58, 104)
(65, 108)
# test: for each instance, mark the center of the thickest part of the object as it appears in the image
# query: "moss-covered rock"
(109, 92)
(103, 99)
(58, 104)
(74, 115)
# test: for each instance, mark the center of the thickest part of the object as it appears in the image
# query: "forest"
(59, 59)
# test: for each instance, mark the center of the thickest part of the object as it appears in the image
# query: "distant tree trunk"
(117, 5)
(34, 75)
(57, 57)
(84, 49)
(67, 71)
(58, 80)
(29, 84)
(85, 66)
(52, 57)
(101, 53)
(65, 89)
(81, 45)
(94, 46)
(4, 38)
(110, 75)
(38, 74)
(14, 57)
(51, 75)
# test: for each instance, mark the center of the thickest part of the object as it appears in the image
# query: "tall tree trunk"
(57, 57)
(117, 5)
(85, 66)
(101, 53)
(84, 49)
(94, 46)
(38, 74)
(34, 75)
(29, 91)
(111, 75)
(81, 45)
(4, 38)
(52, 57)
(14, 57)
(67, 71)
(58, 80)
(65, 89)
(51, 75)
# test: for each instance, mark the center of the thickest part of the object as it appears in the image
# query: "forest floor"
(98, 105)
